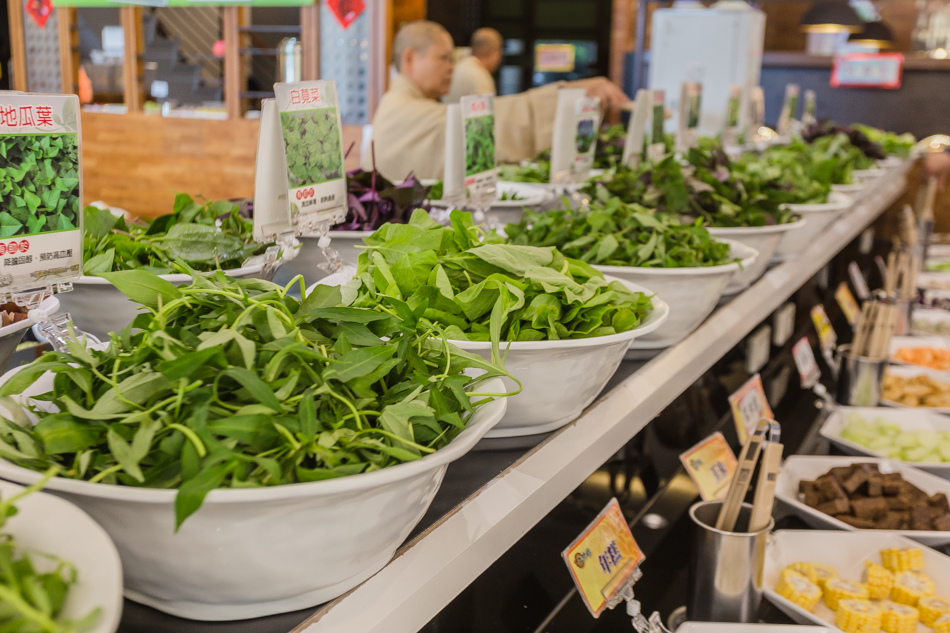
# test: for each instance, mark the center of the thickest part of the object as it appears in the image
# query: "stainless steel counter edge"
(428, 572)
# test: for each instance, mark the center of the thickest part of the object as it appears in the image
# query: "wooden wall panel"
(782, 32)
(138, 162)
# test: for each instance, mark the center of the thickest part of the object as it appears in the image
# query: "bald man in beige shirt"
(473, 73)
(409, 124)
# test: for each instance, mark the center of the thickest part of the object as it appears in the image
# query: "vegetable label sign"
(478, 128)
(604, 559)
(575, 136)
(689, 113)
(810, 109)
(657, 118)
(636, 128)
(730, 132)
(749, 405)
(40, 192)
(711, 465)
(313, 147)
(789, 110)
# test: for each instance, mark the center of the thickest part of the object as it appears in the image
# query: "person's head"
(422, 51)
(487, 47)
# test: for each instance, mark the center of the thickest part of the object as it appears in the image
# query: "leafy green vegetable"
(234, 383)
(312, 142)
(479, 144)
(39, 184)
(31, 601)
(892, 144)
(538, 172)
(618, 234)
(511, 195)
(481, 289)
(189, 234)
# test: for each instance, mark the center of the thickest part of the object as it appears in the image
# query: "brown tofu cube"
(920, 517)
(841, 473)
(805, 486)
(812, 499)
(830, 488)
(942, 523)
(939, 501)
(863, 524)
(875, 486)
(892, 484)
(892, 521)
(835, 506)
(914, 493)
(900, 502)
(870, 509)
(856, 481)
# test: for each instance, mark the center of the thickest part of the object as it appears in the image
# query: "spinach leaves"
(312, 142)
(189, 234)
(234, 383)
(480, 289)
(39, 184)
(617, 234)
(538, 172)
(479, 144)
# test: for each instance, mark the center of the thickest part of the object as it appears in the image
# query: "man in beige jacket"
(409, 124)
(473, 73)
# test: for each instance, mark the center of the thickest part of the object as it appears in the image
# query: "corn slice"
(798, 589)
(858, 616)
(898, 560)
(910, 587)
(805, 569)
(942, 625)
(838, 589)
(823, 573)
(931, 608)
(879, 581)
(898, 618)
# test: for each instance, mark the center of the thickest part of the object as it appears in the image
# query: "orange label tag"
(749, 405)
(711, 464)
(847, 303)
(603, 558)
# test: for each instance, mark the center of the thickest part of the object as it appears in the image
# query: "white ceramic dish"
(909, 371)
(729, 627)
(933, 280)
(847, 553)
(912, 342)
(857, 189)
(930, 322)
(47, 524)
(251, 552)
(561, 378)
(692, 293)
(98, 308)
(809, 467)
(532, 195)
(764, 239)
(818, 217)
(906, 419)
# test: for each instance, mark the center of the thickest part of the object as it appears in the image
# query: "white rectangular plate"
(799, 467)
(906, 418)
(911, 342)
(846, 552)
(923, 317)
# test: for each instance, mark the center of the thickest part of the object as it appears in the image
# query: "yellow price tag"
(826, 333)
(711, 464)
(603, 558)
(749, 405)
(847, 303)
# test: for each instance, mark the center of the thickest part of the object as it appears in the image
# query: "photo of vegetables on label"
(39, 183)
(585, 137)
(479, 144)
(312, 140)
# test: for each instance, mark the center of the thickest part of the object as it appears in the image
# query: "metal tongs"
(764, 443)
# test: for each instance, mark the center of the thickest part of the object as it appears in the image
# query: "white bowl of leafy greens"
(553, 320)
(249, 454)
(765, 241)
(818, 217)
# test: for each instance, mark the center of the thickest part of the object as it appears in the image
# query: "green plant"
(312, 143)
(511, 195)
(479, 144)
(234, 383)
(39, 184)
(538, 172)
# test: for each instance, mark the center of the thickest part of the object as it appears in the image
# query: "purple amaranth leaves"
(373, 200)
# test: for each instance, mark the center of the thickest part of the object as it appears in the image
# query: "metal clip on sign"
(642, 624)
(58, 329)
(764, 444)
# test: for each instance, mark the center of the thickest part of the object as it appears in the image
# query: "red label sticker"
(39, 10)
(346, 11)
(24, 246)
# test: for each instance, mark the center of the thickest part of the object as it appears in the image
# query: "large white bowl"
(691, 292)
(252, 552)
(307, 262)
(48, 525)
(561, 378)
(809, 467)
(858, 189)
(818, 217)
(847, 553)
(503, 212)
(97, 307)
(764, 239)
(906, 419)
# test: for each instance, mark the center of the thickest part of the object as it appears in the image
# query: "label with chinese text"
(657, 118)
(847, 303)
(603, 558)
(730, 132)
(478, 132)
(749, 406)
(575, 136)
(826, 333)
(804, 356)
(40, 192)
(711, 464)
(313, 146)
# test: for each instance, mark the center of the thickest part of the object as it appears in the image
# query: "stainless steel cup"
(859, 379)
(725, 568)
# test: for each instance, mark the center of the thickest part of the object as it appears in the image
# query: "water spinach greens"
(234, 383)
(480, 289)
(618, 234)
(479, 144)
(189, 234)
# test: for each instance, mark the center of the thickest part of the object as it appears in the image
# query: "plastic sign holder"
(787, 119)
(749, 406)
(604, 561)
(756, 114)
(636, 128)
(576, 123)
(478, 134)
(810, 373)
(690, 111)
(730, 130)
(41, 240)
(810, 109)
(711, 464)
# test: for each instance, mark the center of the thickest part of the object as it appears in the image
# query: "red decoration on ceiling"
(346, 11)
(39, 10)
